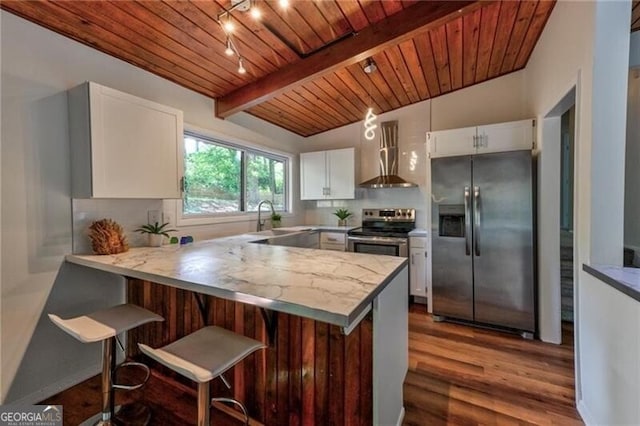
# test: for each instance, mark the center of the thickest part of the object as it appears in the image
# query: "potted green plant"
(343, 215)
(155, 232)
(276, 220)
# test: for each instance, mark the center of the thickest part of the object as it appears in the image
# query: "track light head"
(370, 66)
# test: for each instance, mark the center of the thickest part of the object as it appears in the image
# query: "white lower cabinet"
(333, 241)
(418, 267)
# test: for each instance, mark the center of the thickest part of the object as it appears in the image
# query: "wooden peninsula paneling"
(311, 374)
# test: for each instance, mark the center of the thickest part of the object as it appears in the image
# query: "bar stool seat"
(202, 356)
(103, 326)
(110, 322)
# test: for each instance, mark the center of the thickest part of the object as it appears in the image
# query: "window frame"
(244, 147)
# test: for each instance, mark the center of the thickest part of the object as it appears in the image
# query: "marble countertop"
(624, 279)
(418, 232)
(329, 286)
(328, 228)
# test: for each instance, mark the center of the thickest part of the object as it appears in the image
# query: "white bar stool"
(103, 326)
(202, 356)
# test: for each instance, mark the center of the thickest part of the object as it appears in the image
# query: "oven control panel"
(404, 215)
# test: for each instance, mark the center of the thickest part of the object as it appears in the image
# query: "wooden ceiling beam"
(373, 39)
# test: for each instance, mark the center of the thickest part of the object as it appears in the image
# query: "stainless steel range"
(383, 231)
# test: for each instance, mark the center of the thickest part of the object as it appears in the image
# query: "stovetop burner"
(395, 223)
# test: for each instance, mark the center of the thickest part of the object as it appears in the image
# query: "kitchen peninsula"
(336, 322)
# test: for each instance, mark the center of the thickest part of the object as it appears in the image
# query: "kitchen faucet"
(261, 222)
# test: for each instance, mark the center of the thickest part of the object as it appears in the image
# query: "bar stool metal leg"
(236, 402)
(204, 404)
(108, 364)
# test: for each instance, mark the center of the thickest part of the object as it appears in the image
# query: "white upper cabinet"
(313, 175)
(448, 143)
(122, 146)
(327, 175)
(511, 136)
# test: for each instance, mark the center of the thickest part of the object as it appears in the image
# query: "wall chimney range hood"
(388, 160)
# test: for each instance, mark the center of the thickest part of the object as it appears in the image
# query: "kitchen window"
(227, 180)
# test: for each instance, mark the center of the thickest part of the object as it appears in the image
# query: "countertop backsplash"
(321, 212)
(130, 214)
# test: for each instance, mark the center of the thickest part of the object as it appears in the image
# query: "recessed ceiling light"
(255, 12)
(284, 3)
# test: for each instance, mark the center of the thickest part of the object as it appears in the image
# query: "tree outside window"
(224, 179)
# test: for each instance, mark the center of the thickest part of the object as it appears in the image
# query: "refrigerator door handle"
(467, 221)
(476, 220)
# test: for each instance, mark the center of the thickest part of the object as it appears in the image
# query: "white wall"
(38, 67)
(494, 101)
(609, 353)
(576, 33)
(561, 58)
(413, 123)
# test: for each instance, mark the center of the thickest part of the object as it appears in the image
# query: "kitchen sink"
(303, 239)
(273, 232)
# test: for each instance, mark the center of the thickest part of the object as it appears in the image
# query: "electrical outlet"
(154, 216)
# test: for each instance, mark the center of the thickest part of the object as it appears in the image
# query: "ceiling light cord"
(370, 118)
(225, 20)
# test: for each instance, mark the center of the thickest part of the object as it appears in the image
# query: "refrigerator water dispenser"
(451, 218)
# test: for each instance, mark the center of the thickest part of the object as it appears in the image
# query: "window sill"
(214, 220)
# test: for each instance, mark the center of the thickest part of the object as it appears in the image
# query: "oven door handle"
(379, 240)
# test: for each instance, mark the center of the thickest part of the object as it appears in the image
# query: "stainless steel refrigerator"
(483, 239)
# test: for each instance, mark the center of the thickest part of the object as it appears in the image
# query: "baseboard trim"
(400, 417)
(54, 388)
(584, 412)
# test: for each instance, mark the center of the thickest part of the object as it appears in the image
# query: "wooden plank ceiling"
(466, 43)
(635, 16)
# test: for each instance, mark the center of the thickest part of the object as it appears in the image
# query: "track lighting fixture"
(255, 12)
(229, 50)
(225, 20)
(228, 25)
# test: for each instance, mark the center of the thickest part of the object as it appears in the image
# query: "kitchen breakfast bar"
(335, 323)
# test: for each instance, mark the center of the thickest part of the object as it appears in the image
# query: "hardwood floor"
(458, 375)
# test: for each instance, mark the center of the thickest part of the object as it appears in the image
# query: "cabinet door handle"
(475, 141)
(412, 259)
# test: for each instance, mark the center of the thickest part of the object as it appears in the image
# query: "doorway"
(567, 139)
